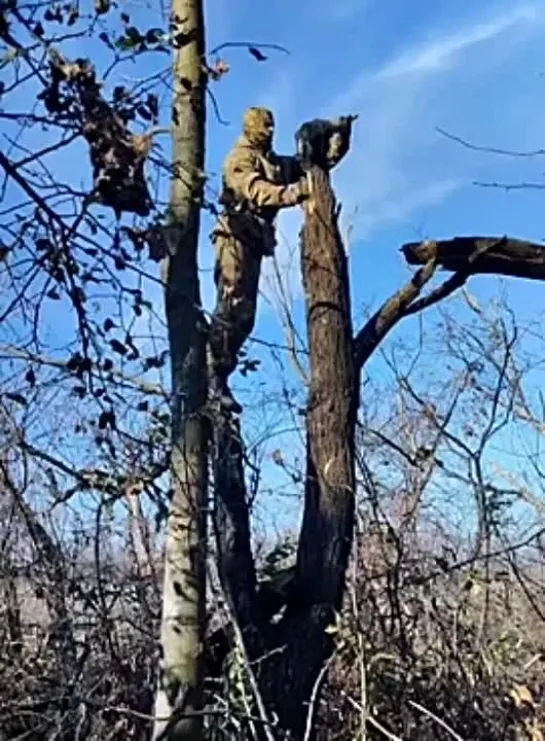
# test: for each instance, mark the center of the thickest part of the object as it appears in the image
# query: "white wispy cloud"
(438, 55)
(398, 164)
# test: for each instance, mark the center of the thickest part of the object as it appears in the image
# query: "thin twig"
(247, 45)
(313, 696)
(239, 640)
(489, 150)
(442, 723)
(372, 721)
(438, 294)
(290, 326)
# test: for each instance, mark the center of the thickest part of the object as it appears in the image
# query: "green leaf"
(153, 105)
(133, 33)
(10, 55)
(144, 113)
(73, 16)
(155, 361)
(105, 39)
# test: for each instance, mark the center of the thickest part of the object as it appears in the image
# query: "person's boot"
(220, 395)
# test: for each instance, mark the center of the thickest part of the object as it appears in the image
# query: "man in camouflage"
(257, 183)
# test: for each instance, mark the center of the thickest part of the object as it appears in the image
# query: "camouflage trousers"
(238, 265)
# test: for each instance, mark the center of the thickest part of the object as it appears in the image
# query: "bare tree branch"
(490, 150)
(389, 314)
(500, 255)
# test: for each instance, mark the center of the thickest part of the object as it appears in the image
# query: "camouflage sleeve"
(242, 175)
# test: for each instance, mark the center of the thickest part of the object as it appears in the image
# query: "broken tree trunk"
(289, 657)
(500, 255)
(326, 531)
(289, 680)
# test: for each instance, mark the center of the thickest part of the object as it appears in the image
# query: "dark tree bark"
(326, 533)
(287, 677)
(328, 519)
(232, 525)
(464, 257)
(499, 255)
(293, 654)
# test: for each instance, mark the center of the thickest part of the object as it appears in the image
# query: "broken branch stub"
(117, 155)
(501, 255)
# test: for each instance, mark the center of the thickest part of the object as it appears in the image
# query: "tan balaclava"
(258, 128)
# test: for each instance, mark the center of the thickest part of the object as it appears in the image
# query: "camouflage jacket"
(255, 188)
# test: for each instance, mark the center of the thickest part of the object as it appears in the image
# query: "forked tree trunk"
(179, 690)
(298, 648)
(328, 518)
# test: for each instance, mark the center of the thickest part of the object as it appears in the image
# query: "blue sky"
(474, 69)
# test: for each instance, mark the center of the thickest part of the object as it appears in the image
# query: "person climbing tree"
(257, 183)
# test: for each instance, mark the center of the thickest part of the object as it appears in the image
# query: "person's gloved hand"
(299, 191)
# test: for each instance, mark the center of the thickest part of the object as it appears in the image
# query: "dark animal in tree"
(323, 142)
